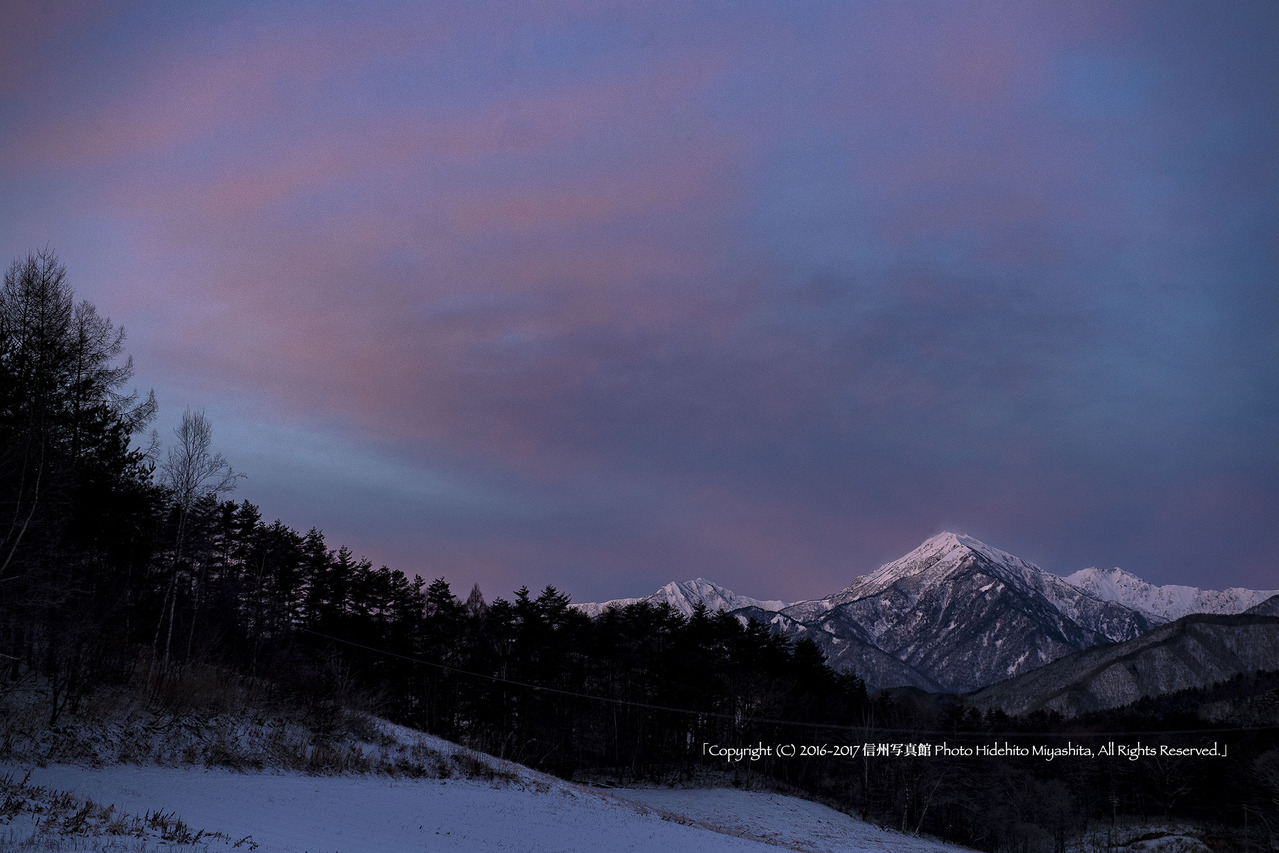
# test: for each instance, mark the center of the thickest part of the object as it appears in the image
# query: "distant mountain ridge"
(956, 614)
(1164, 602)
(684, 596)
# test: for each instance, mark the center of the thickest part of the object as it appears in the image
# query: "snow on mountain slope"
(1165, 603)
(937, 559)
(595, 608)
(685, 595)
(959, 614)
(936, 562)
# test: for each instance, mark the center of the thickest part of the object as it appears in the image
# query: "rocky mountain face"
(958, 614)
(1164, 603)
(1194, 651)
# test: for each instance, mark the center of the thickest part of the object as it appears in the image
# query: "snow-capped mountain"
(685, 595)
(961, 615)
(956, 614)
(1164, 603)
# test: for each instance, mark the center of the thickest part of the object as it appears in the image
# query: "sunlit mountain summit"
(960, 614)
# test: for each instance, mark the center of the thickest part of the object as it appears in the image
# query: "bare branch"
(192, 470)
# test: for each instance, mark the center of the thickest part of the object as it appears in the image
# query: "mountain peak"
(952, 541)
(948, 541)
(947, 536)
(938, 557)
(685, 595)
(1105, 583)
(963, 613)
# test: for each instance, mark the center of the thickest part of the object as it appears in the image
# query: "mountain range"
(685, 595)
(1164, 603)
(957, 615)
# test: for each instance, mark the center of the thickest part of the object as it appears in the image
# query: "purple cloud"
(608, 297)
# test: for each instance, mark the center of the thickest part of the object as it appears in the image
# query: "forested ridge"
(126, 562)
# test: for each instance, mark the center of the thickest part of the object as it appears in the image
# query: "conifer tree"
(67, 471)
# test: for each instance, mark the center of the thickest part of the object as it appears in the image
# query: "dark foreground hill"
(1193, 651)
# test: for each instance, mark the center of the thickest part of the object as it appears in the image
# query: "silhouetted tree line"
(115, 565)
(117, 568)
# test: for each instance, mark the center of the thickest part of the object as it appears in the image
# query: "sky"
(608, 295)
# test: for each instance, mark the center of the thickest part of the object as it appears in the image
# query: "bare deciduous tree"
(192, 471)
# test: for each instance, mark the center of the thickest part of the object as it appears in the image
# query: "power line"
(865, 728)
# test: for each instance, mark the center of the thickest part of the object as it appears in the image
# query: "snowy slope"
(783, 821)
(685, 595)
(1165, 603)
(294, 813)
(498, 806)
(289, 813)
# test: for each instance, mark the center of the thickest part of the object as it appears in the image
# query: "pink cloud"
(181, 90)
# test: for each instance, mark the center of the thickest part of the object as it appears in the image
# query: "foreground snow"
(430, 794)
(295, 813)
(781, 821)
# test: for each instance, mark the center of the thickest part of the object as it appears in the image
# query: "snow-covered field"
(502, 807)
(295, 813)
(124, 779)
(786, 822)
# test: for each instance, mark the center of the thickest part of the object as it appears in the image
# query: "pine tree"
(68, 475)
